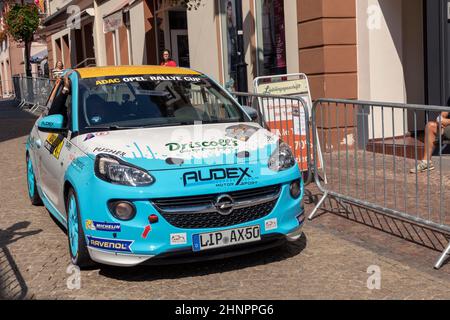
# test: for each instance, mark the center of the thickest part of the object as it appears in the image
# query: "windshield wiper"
(111, 128)
(172, 124)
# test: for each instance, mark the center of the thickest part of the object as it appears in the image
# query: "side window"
(61, 104)
(68, 114)
(53, 93)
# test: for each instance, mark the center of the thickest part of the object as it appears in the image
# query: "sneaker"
(423, 166)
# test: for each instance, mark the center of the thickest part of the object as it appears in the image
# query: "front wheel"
(31, 182)
(77, 243)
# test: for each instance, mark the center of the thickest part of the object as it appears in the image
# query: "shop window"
(271, 37)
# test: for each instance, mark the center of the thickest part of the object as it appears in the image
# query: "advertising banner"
(286, 117)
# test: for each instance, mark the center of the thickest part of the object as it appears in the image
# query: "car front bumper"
(188, 256)
(136, 247)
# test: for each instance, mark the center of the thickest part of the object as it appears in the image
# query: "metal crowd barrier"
(288, 117)
(32, 92)
(6, 89)
(371, 153)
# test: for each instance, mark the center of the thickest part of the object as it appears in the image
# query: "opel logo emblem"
(224, 205)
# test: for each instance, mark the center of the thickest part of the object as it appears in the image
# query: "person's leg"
(431, 132)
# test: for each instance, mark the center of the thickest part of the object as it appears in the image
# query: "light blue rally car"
(160, 165)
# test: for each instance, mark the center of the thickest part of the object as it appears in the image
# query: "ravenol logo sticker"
(110, 244)
(102, 226)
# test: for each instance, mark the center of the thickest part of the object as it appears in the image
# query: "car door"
(53, 152)
(36, 142)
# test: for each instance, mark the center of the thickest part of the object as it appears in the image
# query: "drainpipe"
(242, 85)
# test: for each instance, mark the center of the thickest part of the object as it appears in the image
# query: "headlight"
(282, 159)
(116, 171)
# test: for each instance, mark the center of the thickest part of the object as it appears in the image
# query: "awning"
(114, 19)
(120, 5)
(62, 25)
(38, 57)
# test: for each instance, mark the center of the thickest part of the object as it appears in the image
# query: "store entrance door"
(180, 47)
(172, 31)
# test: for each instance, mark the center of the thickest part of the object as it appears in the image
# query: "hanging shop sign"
(113, 22)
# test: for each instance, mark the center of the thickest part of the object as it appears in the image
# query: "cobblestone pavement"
(330, 261)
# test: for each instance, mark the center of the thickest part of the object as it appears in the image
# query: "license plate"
(225, 238)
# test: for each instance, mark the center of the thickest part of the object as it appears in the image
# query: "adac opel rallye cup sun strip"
(148, 164)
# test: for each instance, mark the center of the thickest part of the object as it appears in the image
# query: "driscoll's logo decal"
(203, 145)
(222, 177)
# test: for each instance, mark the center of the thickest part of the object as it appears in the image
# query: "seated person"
(432, 132)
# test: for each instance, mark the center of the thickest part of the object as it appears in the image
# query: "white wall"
(203, 40)
(291, 24)
(137, 32)
(390, 57)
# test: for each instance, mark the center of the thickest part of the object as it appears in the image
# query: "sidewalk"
(14, 122)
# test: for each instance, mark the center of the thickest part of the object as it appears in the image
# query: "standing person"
(57, 72)
(431, 139)
(167, 59)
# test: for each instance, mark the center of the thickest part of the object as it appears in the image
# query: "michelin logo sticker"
(102, 226)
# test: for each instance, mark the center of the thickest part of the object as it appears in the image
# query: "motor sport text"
(216, 175)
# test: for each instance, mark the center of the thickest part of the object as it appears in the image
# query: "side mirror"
(251, 112)
(53, 123)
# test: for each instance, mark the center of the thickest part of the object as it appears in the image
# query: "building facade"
(379, 50)
(12, 54)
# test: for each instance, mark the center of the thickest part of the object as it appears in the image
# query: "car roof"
(96, 72)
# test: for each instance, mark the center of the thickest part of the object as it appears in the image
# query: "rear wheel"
(31, 182)
(77, 243)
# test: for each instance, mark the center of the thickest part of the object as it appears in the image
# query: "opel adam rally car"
(147, 164)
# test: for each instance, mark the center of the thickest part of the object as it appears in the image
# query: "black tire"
(82, 258)
(35, 199)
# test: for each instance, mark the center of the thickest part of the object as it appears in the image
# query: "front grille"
(199, 212)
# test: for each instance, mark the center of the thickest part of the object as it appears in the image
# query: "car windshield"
(128, 102)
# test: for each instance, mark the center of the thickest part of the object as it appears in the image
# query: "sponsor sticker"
(110, 244)
(155, 78)
(147, 230)
(196, 146)
(118, 153)
(178, 238)
(220, 177)
(107, 81)
(103, 226)
(89, 136)
(77, 164)
(271, 224)
(54, 144)
(241, 132)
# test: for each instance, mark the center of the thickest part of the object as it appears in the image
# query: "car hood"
(170, 148)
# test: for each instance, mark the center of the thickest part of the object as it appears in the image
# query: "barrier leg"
(443, 257)
(313, 213)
